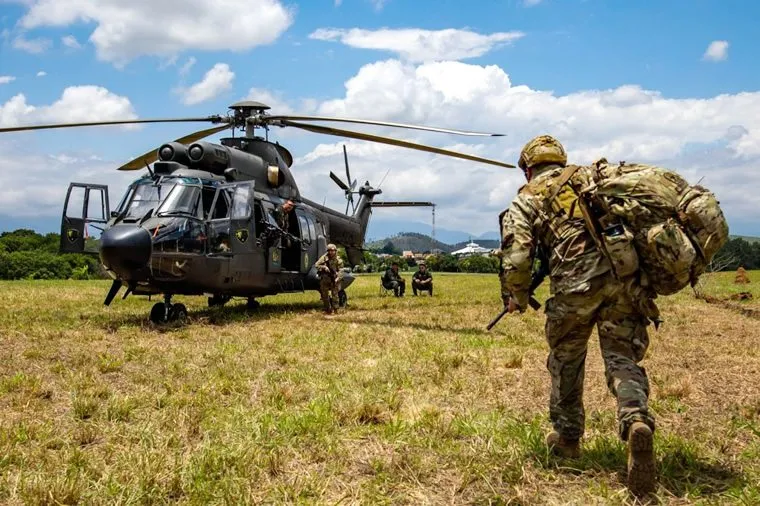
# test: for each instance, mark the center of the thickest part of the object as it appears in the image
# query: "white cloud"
(531, 3)
(127, 30)
(34, 46)
(77, 104)
(338, 2)
(378, 4)
(716, 51)
(418, 45)
(183, 71)
(71, 42)
(7, 79)
(41, 73)
(715, 138)
(217, 80)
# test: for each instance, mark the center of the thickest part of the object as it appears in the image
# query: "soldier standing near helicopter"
(329, 268)
(584, 293)
(282, 217)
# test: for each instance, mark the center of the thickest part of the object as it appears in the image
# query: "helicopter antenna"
(147, 166)
(381, 181)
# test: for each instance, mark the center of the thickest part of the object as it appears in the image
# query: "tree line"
(25, 254)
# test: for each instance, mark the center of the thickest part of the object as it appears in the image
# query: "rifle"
(274, 231)
(536, 279)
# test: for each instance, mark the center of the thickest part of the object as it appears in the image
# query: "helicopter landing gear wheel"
(158, 313)
(342, 298)
(164, 312)
(178, 313)
(252, 304)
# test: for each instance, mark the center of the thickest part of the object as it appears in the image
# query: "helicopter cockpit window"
(147, 196)
(182, 199)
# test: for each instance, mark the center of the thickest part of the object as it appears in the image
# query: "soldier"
(584, 293)
(281, 216)
(392, 280)
(422, 280)
(329, 268)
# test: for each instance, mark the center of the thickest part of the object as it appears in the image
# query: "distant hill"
(413, 241)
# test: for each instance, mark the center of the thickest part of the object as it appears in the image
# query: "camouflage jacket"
(325, 264)
(557, 227)
(281, 218)
(422, 276)
(390, 276)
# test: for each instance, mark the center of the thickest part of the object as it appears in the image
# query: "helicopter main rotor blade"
(383, 123)
(151, 156)
(337, 180)
(213, 119)
(395, 142)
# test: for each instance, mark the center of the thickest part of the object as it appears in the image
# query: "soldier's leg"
(334, 289)
(624, 341)
(402, 287)
(415, 286)
(569, 322)
(324, 292)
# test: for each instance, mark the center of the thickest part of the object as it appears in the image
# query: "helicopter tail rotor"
(350, 188)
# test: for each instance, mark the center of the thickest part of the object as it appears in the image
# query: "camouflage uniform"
(393, 281)
(584, 293)
(417, 282)
(282, 219)
(330, 275)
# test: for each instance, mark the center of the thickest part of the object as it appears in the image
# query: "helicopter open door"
(242, 222)
(86, 206)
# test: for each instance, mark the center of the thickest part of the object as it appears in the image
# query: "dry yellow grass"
(393, 401)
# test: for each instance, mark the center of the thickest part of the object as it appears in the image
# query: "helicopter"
(207, 218)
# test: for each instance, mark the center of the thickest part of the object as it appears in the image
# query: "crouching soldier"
(330, 274)
(422, 280)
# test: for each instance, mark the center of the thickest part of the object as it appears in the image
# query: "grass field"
(392, 401)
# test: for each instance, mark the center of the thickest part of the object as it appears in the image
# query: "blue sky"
(571, 51)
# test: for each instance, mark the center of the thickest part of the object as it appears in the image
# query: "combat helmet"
(542, 149)
(331, 246)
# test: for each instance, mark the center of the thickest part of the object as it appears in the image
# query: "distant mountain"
(383, 228)
(420, 243)
(411, 241)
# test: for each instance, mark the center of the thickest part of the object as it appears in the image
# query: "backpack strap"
(563, 178)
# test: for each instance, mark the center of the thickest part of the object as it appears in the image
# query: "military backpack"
(651, 221)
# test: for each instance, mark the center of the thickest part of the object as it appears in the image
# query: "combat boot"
(642, 469)
(561, 447)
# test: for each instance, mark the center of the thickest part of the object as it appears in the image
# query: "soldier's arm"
(517, 244)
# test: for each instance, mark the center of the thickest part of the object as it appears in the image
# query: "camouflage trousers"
(623, 338)
(328, 290)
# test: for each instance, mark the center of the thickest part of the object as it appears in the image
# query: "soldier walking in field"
(584, 294)
(329, 268)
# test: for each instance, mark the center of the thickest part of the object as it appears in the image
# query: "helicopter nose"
(124, 249)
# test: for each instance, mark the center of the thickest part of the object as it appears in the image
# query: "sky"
(669, 83)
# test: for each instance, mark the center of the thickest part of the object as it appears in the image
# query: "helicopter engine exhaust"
(217, 159)
(174, 152)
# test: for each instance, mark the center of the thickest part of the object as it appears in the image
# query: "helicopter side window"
(207, 197)
(222, 208)
(312, 229)
(241, 207)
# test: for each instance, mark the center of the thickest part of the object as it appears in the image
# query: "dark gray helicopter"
(206, 219)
